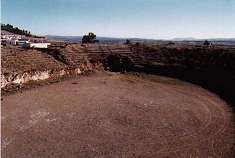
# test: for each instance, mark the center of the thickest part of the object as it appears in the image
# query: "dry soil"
(117, 115)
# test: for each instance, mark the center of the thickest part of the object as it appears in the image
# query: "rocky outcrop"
(22, 78)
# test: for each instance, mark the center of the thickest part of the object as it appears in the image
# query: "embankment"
(210, 67)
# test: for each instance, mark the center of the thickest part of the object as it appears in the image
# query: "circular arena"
(117, 115)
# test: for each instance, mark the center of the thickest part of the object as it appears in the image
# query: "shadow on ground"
(219, 81)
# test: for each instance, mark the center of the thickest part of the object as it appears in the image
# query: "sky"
(154, 19)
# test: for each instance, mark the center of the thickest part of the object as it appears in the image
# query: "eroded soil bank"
(116, 115)
(212, 68)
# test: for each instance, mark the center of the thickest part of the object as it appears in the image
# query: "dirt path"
(117, 116)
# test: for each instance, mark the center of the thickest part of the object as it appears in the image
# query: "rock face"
(24, 78)
(34, 76)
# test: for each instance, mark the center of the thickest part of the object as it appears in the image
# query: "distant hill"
(72, 39)
(215, 41)
(210, 39)
(106, 40)
(110, 40)
(184, 39)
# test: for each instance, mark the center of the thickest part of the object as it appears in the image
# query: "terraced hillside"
(210, 67)
(76, 54)
(16, 59)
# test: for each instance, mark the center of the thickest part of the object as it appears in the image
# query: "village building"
(36, 45)
(24, 41)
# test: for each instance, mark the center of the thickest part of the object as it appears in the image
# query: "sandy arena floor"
(116, 115)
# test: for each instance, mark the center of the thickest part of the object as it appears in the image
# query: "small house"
(36, 45)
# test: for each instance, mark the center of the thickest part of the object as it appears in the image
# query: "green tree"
(127, 42)
(15, 30)
(90, 38)
(206, 43)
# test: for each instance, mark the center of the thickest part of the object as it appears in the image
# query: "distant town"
(14, 36)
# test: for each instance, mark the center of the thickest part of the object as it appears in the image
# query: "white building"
(36, 45)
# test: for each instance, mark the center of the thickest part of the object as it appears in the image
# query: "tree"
(90, 38)
(206, 43)
(127, 42)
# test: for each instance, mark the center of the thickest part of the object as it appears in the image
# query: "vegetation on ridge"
(15, 30)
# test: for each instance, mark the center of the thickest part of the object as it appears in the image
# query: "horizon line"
(145, 38)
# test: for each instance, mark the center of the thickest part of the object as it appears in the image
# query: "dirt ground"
(117, 115)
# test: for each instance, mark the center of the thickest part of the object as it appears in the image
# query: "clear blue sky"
(159, 19)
